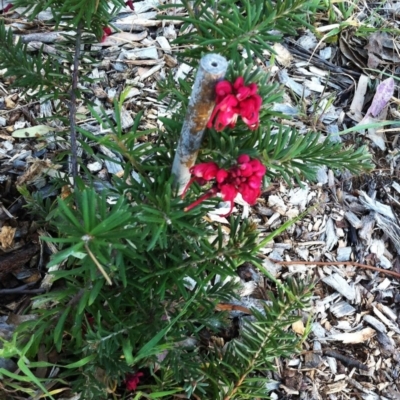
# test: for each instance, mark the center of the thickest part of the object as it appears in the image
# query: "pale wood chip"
(353, 219)
(344, 253)
(336, 387)
(340, 285)
(390, 324)
(376, 206)
(342, 309)
(375, 323)
(298, 327)
(354, 337)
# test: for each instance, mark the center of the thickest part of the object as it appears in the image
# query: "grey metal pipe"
(201, 104)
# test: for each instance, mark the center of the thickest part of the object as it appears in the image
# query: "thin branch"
(72, 105)
(22, 289)
(350, 263)
(98, 265)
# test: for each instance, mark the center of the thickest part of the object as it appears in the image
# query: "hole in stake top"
(214, 64)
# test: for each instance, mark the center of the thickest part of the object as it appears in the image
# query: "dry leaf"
(374, 48)
(17, 319)
(383, 94)
(122, 38)
(35, 171)
(7, 236)
(33, 131)
(8, 102)
(298, 327)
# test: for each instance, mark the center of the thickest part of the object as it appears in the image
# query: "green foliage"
(262, 338)
(92, 15)
(228, 27)
(31, 72)
(136, 280)
(294, 156)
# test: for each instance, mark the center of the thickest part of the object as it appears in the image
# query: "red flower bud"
(246, 169)
(223, 88)
(129, 4)
(243, 158)
(106, 32)
(132, 380)
(206, 171)
(221, 175)
(239, 82)
(249, 194)
(7, 8)
(228, 192)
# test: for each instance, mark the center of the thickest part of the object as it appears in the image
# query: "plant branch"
(72, 105)
(252, 361)
(98, 265)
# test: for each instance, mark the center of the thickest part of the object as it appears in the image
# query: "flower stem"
(210, 193)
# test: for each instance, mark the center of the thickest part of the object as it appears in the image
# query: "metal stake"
(212, 68)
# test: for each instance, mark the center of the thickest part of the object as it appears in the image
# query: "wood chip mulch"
(353, 350)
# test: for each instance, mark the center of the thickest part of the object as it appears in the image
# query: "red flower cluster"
(132, 380)
(234, 100)
(244, 178)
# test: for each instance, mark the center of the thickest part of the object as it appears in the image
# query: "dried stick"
(349, 361)
(350, 263)
(72, 105)
(212, 68)
(22, 290)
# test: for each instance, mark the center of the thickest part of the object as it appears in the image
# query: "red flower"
(202, 173)
(221, 175)
(229, 192)
(225, 113)
(249, 111)
(222, 89)
(234, 100)
(244, 158)
(132, 380)
(206, 171)
(244, 178)
(129, 3)
(106, 32)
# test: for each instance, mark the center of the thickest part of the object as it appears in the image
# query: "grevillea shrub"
(141, 278)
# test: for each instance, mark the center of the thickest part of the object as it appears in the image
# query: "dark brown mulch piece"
(11, 262)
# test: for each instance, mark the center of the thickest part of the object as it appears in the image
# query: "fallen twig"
(346, 360)
(24, 289)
